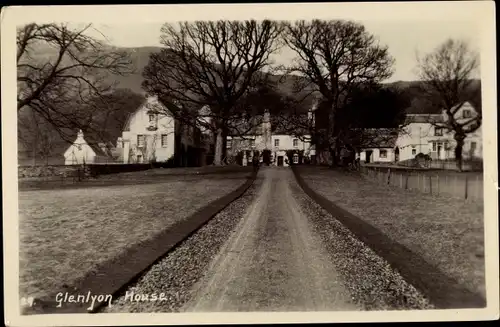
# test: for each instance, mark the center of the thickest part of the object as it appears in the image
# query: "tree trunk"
(224, 146)
(219, 143)
(458, 150)
(333, 159)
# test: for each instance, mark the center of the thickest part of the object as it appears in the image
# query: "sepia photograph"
(250, 163)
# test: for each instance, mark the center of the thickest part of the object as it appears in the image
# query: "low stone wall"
(47, 171)
(91, 170)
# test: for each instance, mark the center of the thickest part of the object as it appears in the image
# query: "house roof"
(424, 118)
(379, 138)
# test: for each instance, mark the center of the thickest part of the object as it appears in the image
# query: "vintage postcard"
(249, 163)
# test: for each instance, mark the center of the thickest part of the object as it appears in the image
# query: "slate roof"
(424, 118)
(379, 138)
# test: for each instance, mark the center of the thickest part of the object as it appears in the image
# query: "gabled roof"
(147, 99)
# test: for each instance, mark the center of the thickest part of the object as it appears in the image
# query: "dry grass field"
(65, 233)
(446, 232)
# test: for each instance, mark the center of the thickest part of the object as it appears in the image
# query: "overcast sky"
(404, 39)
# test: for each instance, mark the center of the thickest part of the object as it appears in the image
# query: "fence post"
(437, 184)
(406, 181)
(389, 176)
(455, 185)
(477, 187)
(466, 186)
(418, 181)
(401, 180)
(430, 184)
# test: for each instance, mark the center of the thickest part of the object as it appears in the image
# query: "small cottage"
(82, 152)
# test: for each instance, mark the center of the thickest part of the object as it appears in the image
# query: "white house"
(380, 147)
(81, 152)
(277, 142)
(421, 135)
(152, 134)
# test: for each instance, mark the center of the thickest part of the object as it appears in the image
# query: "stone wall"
(47, 171)
(91, 170)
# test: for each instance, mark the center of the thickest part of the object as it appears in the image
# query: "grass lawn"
(65, 233)
(447, 232)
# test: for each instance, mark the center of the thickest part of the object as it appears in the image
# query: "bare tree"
(210, 64)
(59, 69)
(447, 74)
(334, 57)
(36, 137)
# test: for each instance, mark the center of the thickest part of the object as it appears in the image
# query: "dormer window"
(438, 131)
(151, 118)
(466, 114)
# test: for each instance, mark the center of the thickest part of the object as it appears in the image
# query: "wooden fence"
(445, 183)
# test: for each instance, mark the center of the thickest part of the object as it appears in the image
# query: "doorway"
(280, 160)
(368, 156)
(439, 151)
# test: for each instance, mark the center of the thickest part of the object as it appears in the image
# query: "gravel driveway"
(272, 250)
(273, 262)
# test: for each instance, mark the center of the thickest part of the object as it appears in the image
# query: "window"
(277, 142)
(229, 143)
(141, 140)
(433, 146)
(383, 153)
(295, 158)
(164, 140)
(139, 159)
(413, 151)
(473, 146)
(151, 117)
(466, 114)
(295, 142)
(252, 142)
(438, 131)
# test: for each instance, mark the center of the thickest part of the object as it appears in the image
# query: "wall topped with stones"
(73, 170)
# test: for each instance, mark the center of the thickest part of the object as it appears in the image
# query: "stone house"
(152, 134)
(278, 141)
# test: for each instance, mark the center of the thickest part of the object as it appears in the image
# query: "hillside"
(140, 57)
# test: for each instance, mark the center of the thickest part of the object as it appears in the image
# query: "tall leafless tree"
(211, 64)
(334, 57)
(36, 138)
(447, 74)
(60, 68)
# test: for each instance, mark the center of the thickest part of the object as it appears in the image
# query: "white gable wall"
(79, 152)
(138, 124)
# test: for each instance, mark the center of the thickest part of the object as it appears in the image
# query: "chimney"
(79, 138)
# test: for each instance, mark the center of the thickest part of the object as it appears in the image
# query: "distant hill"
(140, 57)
